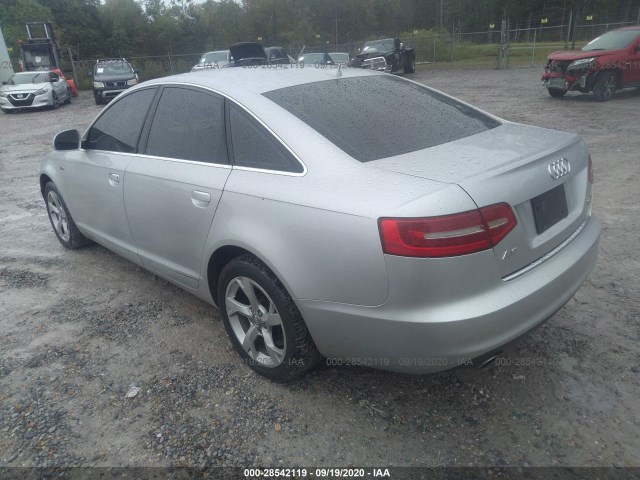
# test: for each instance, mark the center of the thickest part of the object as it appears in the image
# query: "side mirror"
(89, 73)
(4, 83)
(637, 49)
(67, 140)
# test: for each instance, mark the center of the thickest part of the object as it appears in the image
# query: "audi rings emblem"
(559, 168)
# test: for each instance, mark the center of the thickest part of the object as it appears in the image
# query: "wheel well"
(44, 179)
(218, 260)
(618, 73)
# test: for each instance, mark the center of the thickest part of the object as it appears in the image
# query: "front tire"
(98, 100)
(263, 322)
(55, 101)
(557, 92)
(68, 100)
(61, 220)
(605, 87)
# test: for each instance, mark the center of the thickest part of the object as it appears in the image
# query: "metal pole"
(566, 44)
(434, 50)
(73, 67)
(533, 55)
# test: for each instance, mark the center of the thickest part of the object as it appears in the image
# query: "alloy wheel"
(58, 216)
(255, 322)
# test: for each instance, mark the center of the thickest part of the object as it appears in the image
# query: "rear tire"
(411, 67)
(557, 92)
(263, 322)
(61, 220)
(605, 86)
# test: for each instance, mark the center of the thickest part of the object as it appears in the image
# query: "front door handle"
(200, 199)
(114, 179)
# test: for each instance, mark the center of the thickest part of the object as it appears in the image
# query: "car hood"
(27, 87)
(578, 54)
(502, 147)
(373, 54)
(244, 50)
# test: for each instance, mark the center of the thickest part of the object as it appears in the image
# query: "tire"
(68, 100)
(605, 86)
(98, 100)
(63, 225)
(277, 342)
(56, 102)
(557, 92)
(411, 67)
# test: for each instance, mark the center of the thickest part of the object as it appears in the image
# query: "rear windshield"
(376, 117)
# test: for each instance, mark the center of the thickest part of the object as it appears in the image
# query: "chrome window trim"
(167, 159)
(548, 255)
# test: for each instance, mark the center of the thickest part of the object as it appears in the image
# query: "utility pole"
(441, 8)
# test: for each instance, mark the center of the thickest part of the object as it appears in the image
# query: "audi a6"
(351, 215)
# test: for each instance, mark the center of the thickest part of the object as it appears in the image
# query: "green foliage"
(96, 28)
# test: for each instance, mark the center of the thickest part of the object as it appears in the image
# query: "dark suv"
(110, 77)
(608, 63)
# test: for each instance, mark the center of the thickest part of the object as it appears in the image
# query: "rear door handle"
(114, 179)
(200, 199)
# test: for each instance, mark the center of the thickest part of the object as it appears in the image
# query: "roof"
(243, 83)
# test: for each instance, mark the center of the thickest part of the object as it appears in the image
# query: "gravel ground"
(79, 329)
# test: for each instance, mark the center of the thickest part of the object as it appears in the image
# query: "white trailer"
(6, 69)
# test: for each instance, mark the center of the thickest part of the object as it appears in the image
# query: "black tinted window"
(382, 116)
(188, 124)
(118, 128)
(254, 146)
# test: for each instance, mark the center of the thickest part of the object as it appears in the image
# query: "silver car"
(26, 90)
(216, 59)
(350, 215)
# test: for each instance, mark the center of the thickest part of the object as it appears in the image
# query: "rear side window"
(375, 117)
(118, 128)
(255, 147)
(188, 125)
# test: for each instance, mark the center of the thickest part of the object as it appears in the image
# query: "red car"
(610, 62)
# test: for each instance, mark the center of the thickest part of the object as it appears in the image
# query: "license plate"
(549, 208)
(556, 82)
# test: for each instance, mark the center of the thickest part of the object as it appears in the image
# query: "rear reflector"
(447, 235)
(590, 171)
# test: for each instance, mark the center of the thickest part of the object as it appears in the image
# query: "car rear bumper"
(439, 323)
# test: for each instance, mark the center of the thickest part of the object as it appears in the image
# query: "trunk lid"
(514, 164)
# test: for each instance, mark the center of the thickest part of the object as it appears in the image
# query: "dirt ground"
(79, 328)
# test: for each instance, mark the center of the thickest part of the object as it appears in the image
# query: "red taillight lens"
(590, 171)
(447, 235)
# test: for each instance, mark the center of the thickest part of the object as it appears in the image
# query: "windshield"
(339, 57)
(213, 57)
(311, 58)
(373, 117)
(378, 46)
(24, 78)
(114, 68)
(612, 40)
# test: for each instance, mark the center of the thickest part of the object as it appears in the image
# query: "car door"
(93, 176)
(172, 191)
(631, 68)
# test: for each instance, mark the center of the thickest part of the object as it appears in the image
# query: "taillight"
(590, 171)
(447, 235)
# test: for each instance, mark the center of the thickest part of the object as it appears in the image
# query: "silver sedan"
(350, 215)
